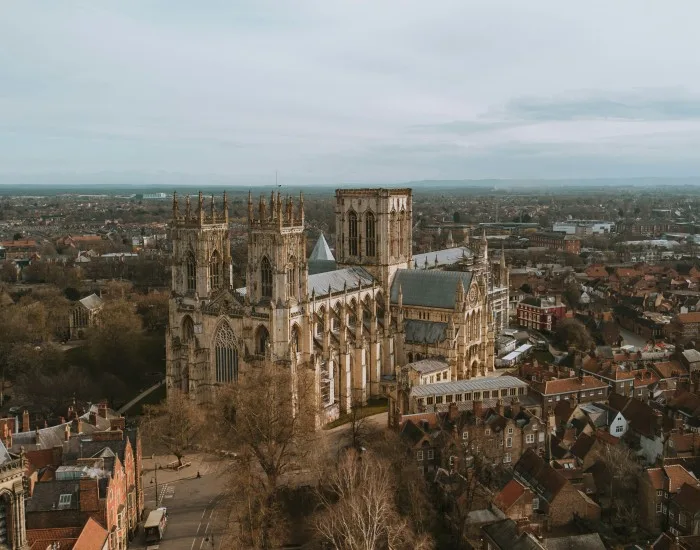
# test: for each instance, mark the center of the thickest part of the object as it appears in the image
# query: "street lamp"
(155, 475)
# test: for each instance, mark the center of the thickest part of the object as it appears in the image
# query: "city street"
(196, 512)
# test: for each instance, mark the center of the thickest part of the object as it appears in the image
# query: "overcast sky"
(348, 91)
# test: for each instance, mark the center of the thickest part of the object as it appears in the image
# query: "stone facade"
(349, 327)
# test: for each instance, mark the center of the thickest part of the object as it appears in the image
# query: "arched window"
(226, 360)
(393, 230)
(215, 271)
(266, 278)
(191, 272)
(7, 512)
(292, 285)
(352, 233)
(370, 235)
(294, 340)
(402, 232)
(262, 337)
(187, 330)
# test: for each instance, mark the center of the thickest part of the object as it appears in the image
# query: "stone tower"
(277, 270)
(201, 249)
(374, 230)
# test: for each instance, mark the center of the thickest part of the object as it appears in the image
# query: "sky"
(347, 91)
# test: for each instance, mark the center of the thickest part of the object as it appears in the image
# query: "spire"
(200, 208)
(272, 205)
(188, 212)
(176, 210)
(250, 206)
(460, 290)
(400, 296)
(301, 207)
(225, 207)
(213, 211)
(262, 210)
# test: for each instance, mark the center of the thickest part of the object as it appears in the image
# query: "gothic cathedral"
(351, 319)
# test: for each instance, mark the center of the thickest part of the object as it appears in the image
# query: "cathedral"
(350, 320)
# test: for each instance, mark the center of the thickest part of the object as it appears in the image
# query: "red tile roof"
(509, 495)
(569, 385)
(92, 537)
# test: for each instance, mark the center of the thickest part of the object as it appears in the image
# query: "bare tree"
(175, 423)
(359, 509)
(624, 472)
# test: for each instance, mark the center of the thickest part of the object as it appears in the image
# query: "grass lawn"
(374, 406)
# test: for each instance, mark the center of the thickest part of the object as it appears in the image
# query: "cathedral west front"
(350, 319)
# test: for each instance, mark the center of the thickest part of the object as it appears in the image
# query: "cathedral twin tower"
(337, 318)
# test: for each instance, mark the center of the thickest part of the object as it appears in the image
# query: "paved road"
(196, 514)
(632, 339)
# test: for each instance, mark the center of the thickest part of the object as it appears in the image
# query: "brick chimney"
(25, 421)
(515, 407)
(500, 408)
(476, 407)
(452, 412)
(80, 425)
(89, 495)
(117, 423)
(102, 409)
(110, 435)
(66, 432)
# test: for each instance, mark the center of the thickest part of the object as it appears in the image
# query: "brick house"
(684, 327)
(555, 500)
(657, 486)
(577, 389)
(556, 241)
(684, 511)
(92, 536)
(540, 313)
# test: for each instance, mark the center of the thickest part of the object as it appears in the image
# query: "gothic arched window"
(393, 232)
(187, 329)
(402, 232)
(370, 235)
(265, 278)
(215, 271)
(352, 233)
(262, 337)
(292, 285)
(226, 360)
(294, 340)
(191, 272)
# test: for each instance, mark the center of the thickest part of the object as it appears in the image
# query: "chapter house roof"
(321, 252)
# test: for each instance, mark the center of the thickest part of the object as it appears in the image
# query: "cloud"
(326, 91)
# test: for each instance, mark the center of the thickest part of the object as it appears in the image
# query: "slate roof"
(474, 384)
(540, 476)
(436, 289)
(348, 278)
(92, 302)
(47, 493)
(505, 534)
(419, 332)
(321, 251)
(591, 541)
(688, 498)
(426, 366)
(447, 256)
(692, 355)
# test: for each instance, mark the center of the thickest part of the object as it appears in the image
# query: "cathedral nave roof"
(429, 288)
(348, 278)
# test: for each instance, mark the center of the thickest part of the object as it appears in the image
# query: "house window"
(452, 460)
(504, 393)
(658, 508)
(549, 400)
(437, 377)
(467, 396)
(535, 503)
(438, 399)
(419, 456)
(530, 438)
(431, 454)
(487, 431)
(659, 493)
(458, 397)
(465, 435)
(449, 398)
(540, 437)
(64, 501)
(618, 429)
(509, 442)
(477, 395)
(674, 531)
(429, 400)
(420, 401)
(521, 391)
(557, 398)
(506, 458)
(510, 431)
(671, 516)
(600, 392)
(681, 519)
(511, 391)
